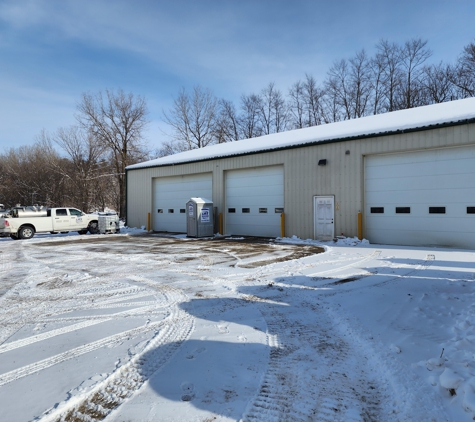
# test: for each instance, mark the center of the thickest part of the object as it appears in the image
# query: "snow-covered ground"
(145, 328)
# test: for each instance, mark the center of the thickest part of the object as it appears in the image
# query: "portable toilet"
(199, 217)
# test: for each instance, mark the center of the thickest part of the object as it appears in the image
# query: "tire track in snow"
(374, 255)
(112, 392)
(50, 334)
(311, 362)
(78, 351)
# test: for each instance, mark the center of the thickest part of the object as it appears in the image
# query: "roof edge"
(313, 143)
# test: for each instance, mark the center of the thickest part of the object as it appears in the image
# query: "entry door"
(324, 214)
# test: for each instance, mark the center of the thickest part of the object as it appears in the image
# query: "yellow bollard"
(282, 225)
(360, 226)
(148, 222)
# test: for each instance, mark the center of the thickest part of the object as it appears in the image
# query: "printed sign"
(205, 215)
(190, 210)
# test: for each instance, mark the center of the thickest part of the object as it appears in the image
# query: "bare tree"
(388, 57)
(88, 168)
(313, 97)
(227, 123)
(117, 120)
(464, 75)
(376, 65)
(272, 110)
(297, 105)
(249, 123)
(193, 118)
(360, 84)
(438, 86)
(412, 57)
(27, 176)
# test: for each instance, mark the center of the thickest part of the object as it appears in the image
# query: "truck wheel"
(54, 232)
(14, 237)
(64, 232)
(93, 227)
(26, 232)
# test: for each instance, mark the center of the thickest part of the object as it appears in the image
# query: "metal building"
(406, 177)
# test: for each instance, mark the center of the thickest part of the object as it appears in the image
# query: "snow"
(449, 112)
(136, 326)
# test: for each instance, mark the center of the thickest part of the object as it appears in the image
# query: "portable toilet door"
(191, 218)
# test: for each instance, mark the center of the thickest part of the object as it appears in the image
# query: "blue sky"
(51, 51)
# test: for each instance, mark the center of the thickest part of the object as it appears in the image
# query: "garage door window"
(182, 211)
(246, 210)
(436, 210)
(279, 210)
(377, 210)
(171, 211)
(160, 211)
(262, 210)
(470, 210)
(232, 210)
(403, 210)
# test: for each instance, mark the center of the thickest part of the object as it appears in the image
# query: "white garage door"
(254, 201)
(421, 198)
(170, 195)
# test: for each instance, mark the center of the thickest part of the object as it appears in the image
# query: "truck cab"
(66, 219)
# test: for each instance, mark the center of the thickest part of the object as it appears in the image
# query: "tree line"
(396, 77)
(89, 170)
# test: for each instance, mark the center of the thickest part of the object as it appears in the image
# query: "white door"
(254, 201)
(170, 195)
(421, 198)
(324, 215)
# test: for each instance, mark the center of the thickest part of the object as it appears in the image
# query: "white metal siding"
(172, 193)
(256, 189)
(419, 180)
(343, 176)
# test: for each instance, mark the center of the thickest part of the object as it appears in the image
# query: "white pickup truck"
(24, 223)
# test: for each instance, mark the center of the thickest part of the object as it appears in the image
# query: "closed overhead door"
(170, 195)
(421, 198)
(254, 201)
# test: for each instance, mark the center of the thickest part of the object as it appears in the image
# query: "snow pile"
(351, 241)
(454, 371)
(339, 240)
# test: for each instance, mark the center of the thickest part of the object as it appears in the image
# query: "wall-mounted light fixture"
(347, 152)
(322, 162)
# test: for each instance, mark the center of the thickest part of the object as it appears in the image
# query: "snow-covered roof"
(421, 117)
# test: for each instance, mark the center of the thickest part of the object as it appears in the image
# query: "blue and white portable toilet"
(199, 217)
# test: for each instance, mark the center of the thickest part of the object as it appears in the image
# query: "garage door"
(254, 201)
(421, 198)
(170, 195)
